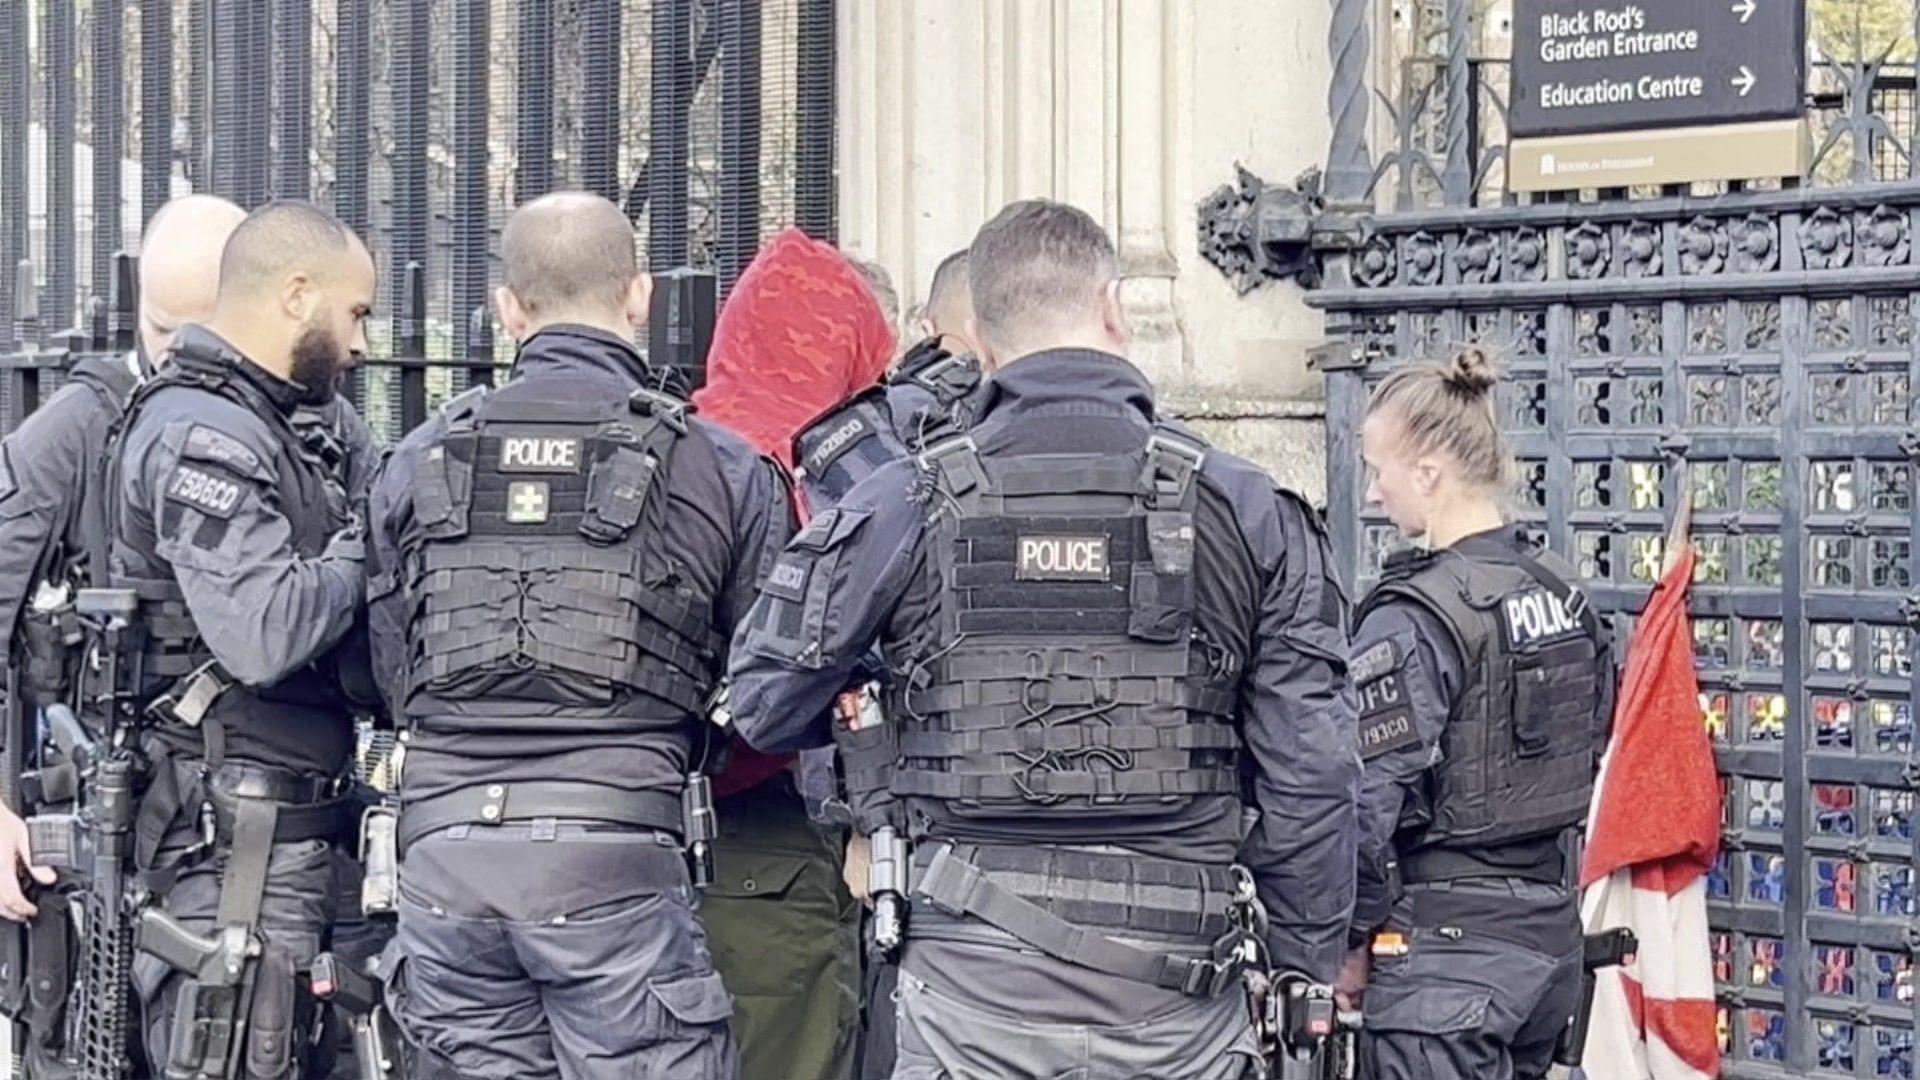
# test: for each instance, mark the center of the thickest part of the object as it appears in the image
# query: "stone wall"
(1134, 111)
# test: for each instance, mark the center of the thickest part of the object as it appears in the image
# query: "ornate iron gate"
(1753, 345)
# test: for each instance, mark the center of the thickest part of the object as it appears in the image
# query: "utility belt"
(304, 807)
(1213, 907)
(1435, 864)
(488, 805)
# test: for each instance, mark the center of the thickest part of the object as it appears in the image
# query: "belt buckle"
(1208, 976)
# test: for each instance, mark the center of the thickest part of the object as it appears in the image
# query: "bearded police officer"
(235, 537)
(1095, 628)
(556, 566)
(1485, 686)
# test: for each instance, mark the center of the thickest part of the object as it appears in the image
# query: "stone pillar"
(1133, 110)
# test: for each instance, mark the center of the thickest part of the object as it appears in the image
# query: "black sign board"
(1619, 65)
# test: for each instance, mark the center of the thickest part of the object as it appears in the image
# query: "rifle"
(1608, 948)
(93, 845)
(376, 1039)
(17, 733)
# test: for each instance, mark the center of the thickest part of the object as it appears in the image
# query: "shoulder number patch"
(788, 578)
(1386, 717)
(205, 491)
(835, 442)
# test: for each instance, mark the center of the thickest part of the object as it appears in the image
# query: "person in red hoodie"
(799, 334)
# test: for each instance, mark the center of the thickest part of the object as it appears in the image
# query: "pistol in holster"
(210, 1015)
(1608, 948)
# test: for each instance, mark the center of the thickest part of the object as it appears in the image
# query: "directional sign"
(1619, 65)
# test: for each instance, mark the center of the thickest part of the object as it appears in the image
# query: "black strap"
(497, 804)
(329, 820)
(958, 887)
(243, 887)
(1452, 864)
(1575, 600)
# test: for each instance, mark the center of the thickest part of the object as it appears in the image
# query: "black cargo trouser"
(296, 913)
(555, 950)
(1489, 980)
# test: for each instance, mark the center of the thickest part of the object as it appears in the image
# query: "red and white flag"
(1653, 837)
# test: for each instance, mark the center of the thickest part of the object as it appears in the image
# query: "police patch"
(1538, 617)
(1386, 717)
(205, 491)
(788, 578)
(1378, 660)
(207, 444)
(837, 441)
(1062, 558)
(539, 454)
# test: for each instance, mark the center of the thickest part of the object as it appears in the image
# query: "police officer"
(235, 536)
(1094, 628)
(933, 391)
(557, 564)
(1485, 687)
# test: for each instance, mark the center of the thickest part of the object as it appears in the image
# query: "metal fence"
(1752, 345)
(421, 123)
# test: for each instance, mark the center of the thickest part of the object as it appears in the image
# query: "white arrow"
(1744, 9)
(1744, 81)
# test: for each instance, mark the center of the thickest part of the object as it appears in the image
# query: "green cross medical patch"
(527, 502)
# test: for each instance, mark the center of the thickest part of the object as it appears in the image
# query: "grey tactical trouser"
(522, 958)
(1490, 978)
(970, 1011)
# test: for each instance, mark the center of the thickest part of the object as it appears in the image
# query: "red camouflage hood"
(800, 333)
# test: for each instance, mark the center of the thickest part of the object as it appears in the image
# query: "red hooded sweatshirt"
(799, 334)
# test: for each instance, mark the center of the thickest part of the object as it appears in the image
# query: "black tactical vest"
(541, 596)
(932, 395)
(1521, 742)
(1063, 679)
(310, 496)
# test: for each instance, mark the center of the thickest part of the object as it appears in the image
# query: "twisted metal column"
(1349, 164)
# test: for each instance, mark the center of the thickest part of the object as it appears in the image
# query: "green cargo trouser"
(785, 935)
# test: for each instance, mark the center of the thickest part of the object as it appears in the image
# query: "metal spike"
(123, 305)
(413, 311)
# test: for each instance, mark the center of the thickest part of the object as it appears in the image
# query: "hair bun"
(1472, 371)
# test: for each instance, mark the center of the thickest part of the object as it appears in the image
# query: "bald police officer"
(556, 566)
(1095, 628)
(235, 536)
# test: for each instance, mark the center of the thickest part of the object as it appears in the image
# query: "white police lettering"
(203, 491)
(534, 453)
(1062, 558)
(1537, 616)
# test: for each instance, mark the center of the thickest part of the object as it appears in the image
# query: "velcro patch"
(206, 491)
(1062, 558)
(528, 502)
(1377, 660)
(827, 449)
(1537, 617)
(539, 454)
(207, 444)
(1386, 717)
(788, 578)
